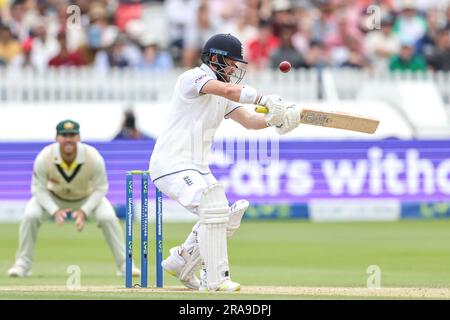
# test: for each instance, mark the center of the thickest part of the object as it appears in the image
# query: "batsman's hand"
(80, 219)
(61, 215)
(291, 120)
(276, 108)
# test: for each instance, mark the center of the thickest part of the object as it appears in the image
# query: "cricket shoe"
(135, 272)
(18, 271)
(174, 266)
(226, 286)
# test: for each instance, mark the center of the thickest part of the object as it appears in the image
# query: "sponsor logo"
(159, 246)
(376, 173)
(188, 181)
(145, 247)
(199, 78)
(68, 125)
(130, 248)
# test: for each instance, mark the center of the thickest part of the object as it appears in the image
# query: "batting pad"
(212, 234)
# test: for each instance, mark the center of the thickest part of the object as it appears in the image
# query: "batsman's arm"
(234, 92)
(248, 120)
(248, 95)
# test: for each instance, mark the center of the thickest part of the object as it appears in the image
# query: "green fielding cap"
(68, 126)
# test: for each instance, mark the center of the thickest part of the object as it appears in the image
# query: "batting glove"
(276, 107)
(290, 121)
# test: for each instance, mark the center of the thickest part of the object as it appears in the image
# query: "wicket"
(144, 230)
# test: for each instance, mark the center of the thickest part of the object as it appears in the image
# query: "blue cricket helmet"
(224, 46)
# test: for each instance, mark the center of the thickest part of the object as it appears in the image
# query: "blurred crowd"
(376, 35)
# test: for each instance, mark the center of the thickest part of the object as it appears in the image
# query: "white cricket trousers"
(186, 187)
(35, 214)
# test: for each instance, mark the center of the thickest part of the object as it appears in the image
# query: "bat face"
(339, 120)
(314, 118)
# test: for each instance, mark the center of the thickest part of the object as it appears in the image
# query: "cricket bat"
(332, 119)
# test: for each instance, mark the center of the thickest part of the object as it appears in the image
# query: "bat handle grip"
(261, 109)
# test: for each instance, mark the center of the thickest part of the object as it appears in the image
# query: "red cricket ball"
(284, 66)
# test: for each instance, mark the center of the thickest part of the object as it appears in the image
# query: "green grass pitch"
(279, 256)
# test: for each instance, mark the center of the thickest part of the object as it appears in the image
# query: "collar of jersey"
(81, 157)
(66, 167)
(208, 70)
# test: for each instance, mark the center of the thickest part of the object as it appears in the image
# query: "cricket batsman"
(202, 98)
(69, 178)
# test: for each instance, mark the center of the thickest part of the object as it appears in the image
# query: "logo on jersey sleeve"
(200, 78)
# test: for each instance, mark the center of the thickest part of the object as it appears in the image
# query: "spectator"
(260, 48)
(43, 7)
(435, 24)
(409, 25)
(407, 59)
(334, 26)
(100, 33)
(303, 16)
(128, 10)
(23, 16)
(262, 9)
(10, 48)
(179, 14)
(351, 12)
(287, 51)
(129, 130)
(66, 58)
(439, 59)
(427, 5)
(382, 44)
(281, 16)
(354, 57)
(153, 57)
(5, 12)
(325, 28)
(75, 37)
(25, 60)
(339, 50)
(316, 55)
(226, 10)
(44, 47)
(242, 28)
(121, 54)
(447, 25)
(198, 32)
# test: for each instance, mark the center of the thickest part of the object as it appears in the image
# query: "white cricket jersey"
(86, 180)
(192, 121)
